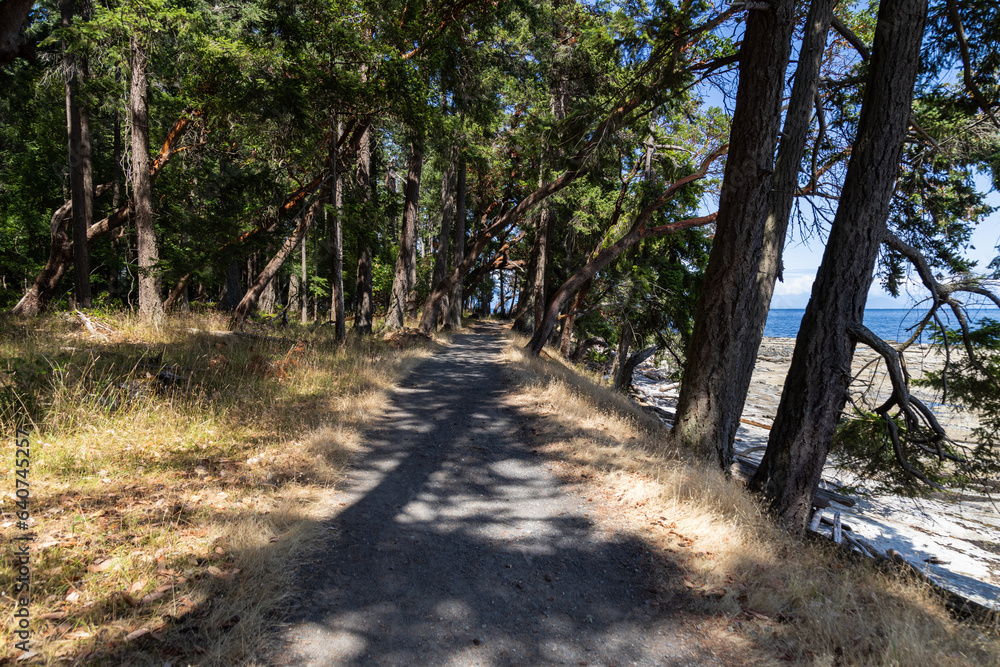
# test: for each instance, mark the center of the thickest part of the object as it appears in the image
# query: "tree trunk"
(623, 381)
(447, 213)
(406, 269)
(816, 388)
(293, 293)
(455, 298)
(304, 281)
(566, 338)
(150, 303)
(81, 175)
(544, 231)
(288, 247)
(337, 243)
(364, 299)
(232, 291)
(13, 14)
(178, 293)
(621, 354)
(268, 297)
(725, 337)
(363, 316)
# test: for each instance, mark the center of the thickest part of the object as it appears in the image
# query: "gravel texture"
(454, 544)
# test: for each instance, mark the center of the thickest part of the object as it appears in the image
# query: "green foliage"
(974, 383)
(863, 446)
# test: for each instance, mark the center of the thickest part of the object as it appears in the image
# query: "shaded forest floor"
(179, 477)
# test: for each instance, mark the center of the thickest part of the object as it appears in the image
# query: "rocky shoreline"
(954, 540)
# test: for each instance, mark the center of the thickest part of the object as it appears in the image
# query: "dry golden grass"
(166, 519)
(780, 598)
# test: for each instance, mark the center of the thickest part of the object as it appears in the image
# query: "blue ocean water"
(890, 323)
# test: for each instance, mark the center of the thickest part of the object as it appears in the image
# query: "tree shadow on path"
(457, 545)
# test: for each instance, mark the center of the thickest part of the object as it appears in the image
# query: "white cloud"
(795, 284)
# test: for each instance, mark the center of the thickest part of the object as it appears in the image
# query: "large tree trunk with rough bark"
(816, 388)
(404, 278)
(81, 174)
(150, 302)
(725, 337)
(12, 16)
(249, 299)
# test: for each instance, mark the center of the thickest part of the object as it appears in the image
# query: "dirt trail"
(455, 545)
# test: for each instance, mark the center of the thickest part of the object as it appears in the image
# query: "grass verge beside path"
(787, 599)
(174, 474)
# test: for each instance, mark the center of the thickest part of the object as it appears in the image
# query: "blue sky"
(802, 259)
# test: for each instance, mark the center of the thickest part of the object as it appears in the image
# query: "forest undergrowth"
(787, 599)
(175, 476)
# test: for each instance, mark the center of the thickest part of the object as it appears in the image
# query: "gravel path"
(455, 545)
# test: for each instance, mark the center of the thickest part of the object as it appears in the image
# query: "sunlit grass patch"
(175, 476)
(788, 599)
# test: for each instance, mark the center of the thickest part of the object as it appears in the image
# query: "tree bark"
(455, 298)
(337, 243)
(815, 390)
(232, 291)
(447, 213)
(293, 293)
(566, 337)
(249, 299)
(625, 335)
(268, 297)
(725, 337)
(13, 13)
(150, 302)
(364, 299)
(623, 381)
(406, 269)
(304, 280)
(81, 174)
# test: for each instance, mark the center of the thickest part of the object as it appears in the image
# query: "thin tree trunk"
(406, 269)
(566, 338)
(304, 281)
(625, 336)
(178, 293)
(725, 338)
(293, 292)
(267, 274)
(447, 213)
(364, 298)
(816, 388)
(337, 244)
(150, 303)
(538, 296)
(81, 175)
(455, 297)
